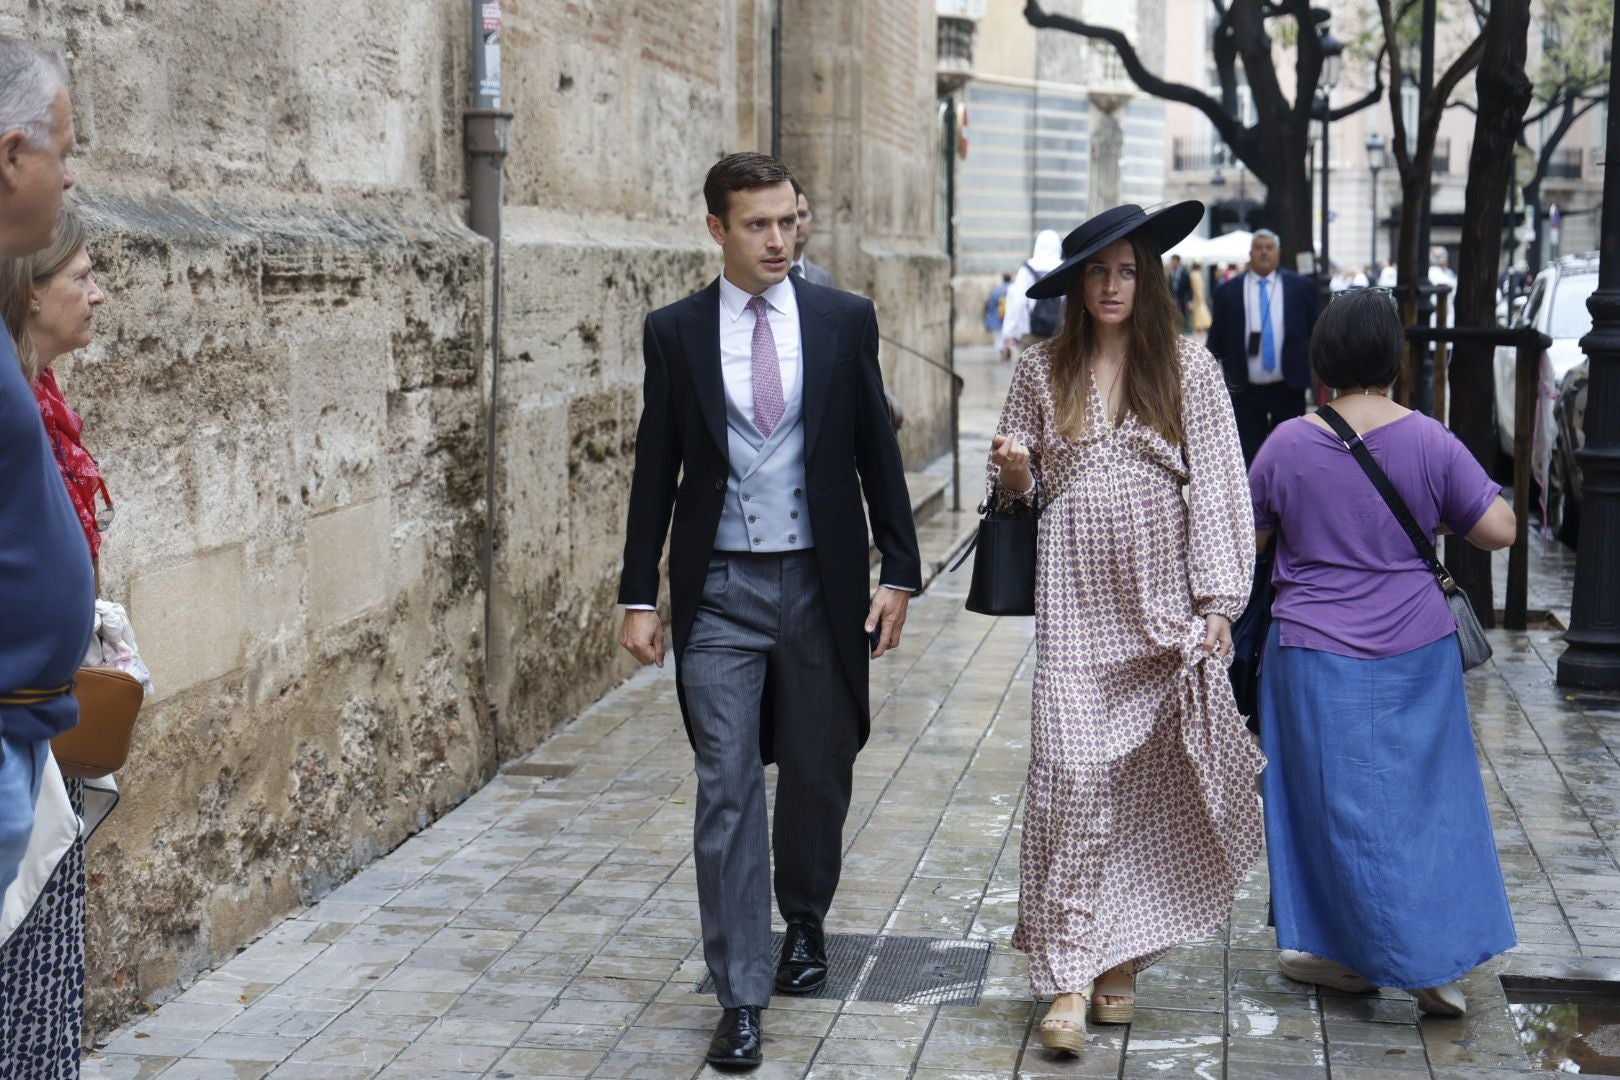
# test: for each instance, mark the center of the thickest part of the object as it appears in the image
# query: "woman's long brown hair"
(1152, 372)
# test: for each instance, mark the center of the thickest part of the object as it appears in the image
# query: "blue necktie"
(1268, 344)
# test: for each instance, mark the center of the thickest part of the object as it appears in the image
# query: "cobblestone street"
(548, 927)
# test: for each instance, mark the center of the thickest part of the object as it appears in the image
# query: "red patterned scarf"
(79, 470)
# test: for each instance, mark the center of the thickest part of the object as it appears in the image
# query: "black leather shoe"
(804, 960)
(737, 1040)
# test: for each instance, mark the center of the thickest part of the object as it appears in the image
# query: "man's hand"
(642, 635)
(889, 612)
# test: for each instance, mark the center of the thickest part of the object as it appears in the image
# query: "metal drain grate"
(899, 970)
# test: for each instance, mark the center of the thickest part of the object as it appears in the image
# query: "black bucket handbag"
(1003, 560)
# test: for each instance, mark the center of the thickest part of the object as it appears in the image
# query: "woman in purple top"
(1383, 865)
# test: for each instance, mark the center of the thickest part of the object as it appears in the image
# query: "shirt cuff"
(639, 607)
(898, 588)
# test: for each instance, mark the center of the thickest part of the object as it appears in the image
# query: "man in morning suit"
(762, 426)
(802, 266)
(1260, 330)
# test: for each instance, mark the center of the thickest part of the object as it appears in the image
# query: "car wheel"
(1563, 520)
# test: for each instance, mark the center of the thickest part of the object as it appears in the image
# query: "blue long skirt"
(1377, 834)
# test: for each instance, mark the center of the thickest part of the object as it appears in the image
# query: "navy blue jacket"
(1228, 337)
(47, 588)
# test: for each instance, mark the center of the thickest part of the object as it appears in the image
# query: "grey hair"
(1267, 234)
(30, 78)
(1438, 256)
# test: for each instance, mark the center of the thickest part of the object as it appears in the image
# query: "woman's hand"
(1218, 636)
(1012, 458)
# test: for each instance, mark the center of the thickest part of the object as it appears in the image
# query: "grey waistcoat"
(766, 509)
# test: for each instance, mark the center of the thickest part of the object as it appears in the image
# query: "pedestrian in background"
(1383, 866)
(48, 301)
(47, 591)
(1142, 816)
(1023, 325)
(802, 266)
(1200, 299)
(1181, 288)
(1261, 329)
(995, 307)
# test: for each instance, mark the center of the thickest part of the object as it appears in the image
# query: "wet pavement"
(548, 926)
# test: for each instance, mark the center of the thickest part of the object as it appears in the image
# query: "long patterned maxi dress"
(1142, 815)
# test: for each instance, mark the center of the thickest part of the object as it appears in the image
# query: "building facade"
(290, 389)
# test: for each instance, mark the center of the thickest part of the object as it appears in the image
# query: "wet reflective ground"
(548, 926)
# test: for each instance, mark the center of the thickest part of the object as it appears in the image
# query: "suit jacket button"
(719, 485)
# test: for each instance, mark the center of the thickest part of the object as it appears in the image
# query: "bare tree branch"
(1397, 79)
(1223, 121)
(1565, 122)
(1367, 100)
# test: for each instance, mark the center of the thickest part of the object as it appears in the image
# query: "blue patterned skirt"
(1377, 833)
(42, 975)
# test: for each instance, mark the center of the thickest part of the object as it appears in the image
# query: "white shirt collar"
(734, 301)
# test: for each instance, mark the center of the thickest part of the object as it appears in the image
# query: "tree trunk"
(1504, 94)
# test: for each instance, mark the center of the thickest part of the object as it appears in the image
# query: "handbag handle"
(1392, 498)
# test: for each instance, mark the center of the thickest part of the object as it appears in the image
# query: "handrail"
(957, 384)
(924, 357)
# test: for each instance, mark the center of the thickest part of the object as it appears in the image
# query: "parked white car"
(1556, 307)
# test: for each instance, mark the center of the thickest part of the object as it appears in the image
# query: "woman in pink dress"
(1141, 816)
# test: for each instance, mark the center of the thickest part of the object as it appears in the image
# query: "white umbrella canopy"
(1232, 247)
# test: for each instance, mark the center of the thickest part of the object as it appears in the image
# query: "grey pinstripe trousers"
(763, 615)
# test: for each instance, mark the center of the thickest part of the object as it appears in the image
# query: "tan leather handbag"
(109, 701)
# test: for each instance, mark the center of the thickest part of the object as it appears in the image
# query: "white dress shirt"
(1251, 324)
(737, 341)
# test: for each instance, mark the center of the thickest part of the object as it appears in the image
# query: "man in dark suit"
(1260, 330)
(802, 266)
(762, 427)
(1181, 288)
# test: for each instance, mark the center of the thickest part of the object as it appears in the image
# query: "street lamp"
(1375, 161)
(1216, 183)
(1331, 48)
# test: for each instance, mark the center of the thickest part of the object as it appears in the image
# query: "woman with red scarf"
(48, 301)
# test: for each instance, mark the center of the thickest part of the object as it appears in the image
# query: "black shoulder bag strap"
(1397, 505)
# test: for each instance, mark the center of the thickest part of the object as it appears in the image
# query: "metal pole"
(486, 132)
(950, 331)
(1327, 260)
(1592, 660)
(1373, 259)
(776, 80)
(1526, 367)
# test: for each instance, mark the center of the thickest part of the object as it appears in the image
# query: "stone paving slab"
(547, 927)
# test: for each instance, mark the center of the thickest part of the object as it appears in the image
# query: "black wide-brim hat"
(1166, 228)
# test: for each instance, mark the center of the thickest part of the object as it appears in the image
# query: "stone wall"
(289, 395)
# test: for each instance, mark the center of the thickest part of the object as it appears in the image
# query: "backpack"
(1045, 316)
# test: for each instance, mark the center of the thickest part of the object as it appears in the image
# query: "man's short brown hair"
(742, 172)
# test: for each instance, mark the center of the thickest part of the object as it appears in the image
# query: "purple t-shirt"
(1348, 578)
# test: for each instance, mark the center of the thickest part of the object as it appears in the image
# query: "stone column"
(1107, 146)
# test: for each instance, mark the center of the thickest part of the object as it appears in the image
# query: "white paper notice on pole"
(491, 84)
(492, 16)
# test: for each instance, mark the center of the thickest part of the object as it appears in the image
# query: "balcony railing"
(1565, 164)
(1189, 154)
(1442, 156)
(953, 65)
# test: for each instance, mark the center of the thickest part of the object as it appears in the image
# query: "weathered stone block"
(348, 562)
(190, 620)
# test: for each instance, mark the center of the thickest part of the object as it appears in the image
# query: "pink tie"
(768, 403)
